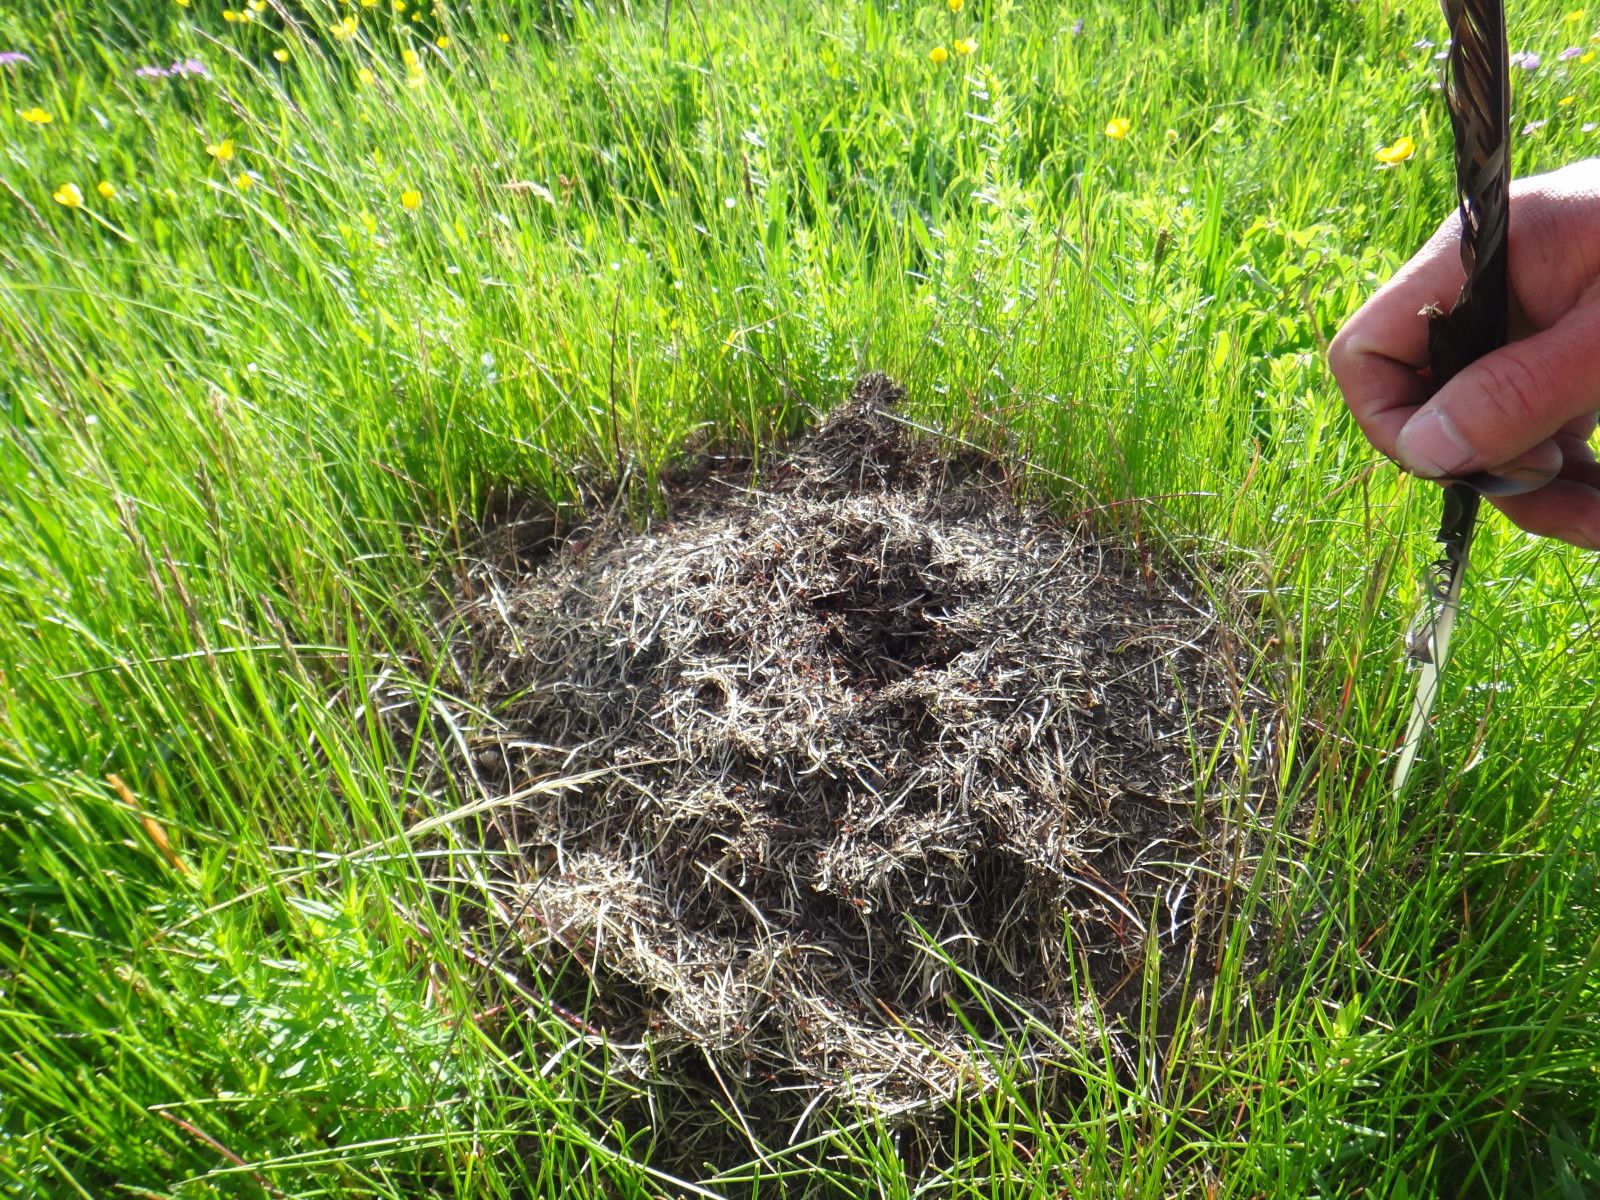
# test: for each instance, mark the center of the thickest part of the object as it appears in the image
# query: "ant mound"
(854, 755)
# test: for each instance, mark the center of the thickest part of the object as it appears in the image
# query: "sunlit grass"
(339, 299)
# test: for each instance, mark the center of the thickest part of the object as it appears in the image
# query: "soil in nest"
(849, 740)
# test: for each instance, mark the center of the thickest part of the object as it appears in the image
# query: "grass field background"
(322, 305)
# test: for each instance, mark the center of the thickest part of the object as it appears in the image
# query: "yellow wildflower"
(229, 15)
(415, 78)
(442, 42)
(257, 6)
(966, 45)
(1566, 100)
(399, 6)
(343, 30)
(107, 192)
(1402, 149)
(410, 200)
(183, 3)
(68, 196)
(221, 151)
(1117, 128)
(281, 54)
(938, 54)
(36, 116)
(505, 37)
(244, 181)
(954, 5)
(366, 77)
(369, 3)
(409, 57)
(1587, 56)
(1574, 16)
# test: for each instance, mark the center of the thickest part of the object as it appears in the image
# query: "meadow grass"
(252, 402)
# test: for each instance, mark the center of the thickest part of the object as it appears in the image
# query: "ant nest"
(860, 764)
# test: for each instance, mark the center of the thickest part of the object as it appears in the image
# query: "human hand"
(1525, 412)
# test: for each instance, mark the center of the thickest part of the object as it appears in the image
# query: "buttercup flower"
(244, 181)
(68, 196)
(221, 151)
(1118, 128)
(954, 5)
(938, 54)
(442, 42)
(1397, 152)
(36, 116)
(343, 30)
(366, 77)
(505, 37)
(229, 15)
(107, 192)
(410, 200)
(281, 54)
(965, 45)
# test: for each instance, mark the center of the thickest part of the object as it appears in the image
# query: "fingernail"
(1531, 477)
(1508, 481)
(1430, 445)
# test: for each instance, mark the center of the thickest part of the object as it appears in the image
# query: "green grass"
(243, 426)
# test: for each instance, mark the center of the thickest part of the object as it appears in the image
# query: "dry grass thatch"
(862, 735)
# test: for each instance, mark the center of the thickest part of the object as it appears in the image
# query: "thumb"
(1508, 402)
